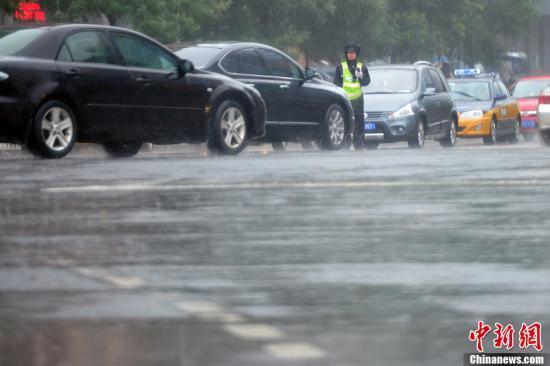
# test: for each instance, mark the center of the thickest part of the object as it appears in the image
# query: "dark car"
(409, 103)
(300, 106)
(119, 88)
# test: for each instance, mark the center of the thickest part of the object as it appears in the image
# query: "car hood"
(386, 102)
(528, 104)
(465, 106)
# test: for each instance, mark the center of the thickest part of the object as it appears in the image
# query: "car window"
(15, 42)
(138, 52)
(427, 81)
(87, 46)
(279, 65)
(503, 88)
(438, 85)
(498, 89)
(199, 56)
(244, 61)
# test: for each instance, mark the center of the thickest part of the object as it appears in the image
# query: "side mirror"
(185, 66)
(501, 96)
(311, 74)
(429, 92)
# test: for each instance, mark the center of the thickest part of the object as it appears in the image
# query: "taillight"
(544, 98)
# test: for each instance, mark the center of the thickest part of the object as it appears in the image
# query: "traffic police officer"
(351, 75)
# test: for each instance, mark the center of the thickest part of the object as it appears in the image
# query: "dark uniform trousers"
(359, 127)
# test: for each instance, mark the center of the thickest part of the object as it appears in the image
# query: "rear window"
(530, 88)
(392, 81)
(199, 56)
(11, 44)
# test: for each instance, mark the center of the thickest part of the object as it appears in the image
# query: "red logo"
(529, 336)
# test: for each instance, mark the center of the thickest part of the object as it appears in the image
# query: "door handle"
(73, 73)
(252, 85)
(284, 86)
(144, 80)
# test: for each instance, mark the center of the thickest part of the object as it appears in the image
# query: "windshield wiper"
(380, 92)
(468, 95)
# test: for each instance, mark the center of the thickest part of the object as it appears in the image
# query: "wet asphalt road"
(300, 258)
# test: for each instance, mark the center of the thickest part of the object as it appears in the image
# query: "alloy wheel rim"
(57, 129)
(233, 127)
(493, 131)
(517, 131)
(453, 133)
(336, 127)
(420, 134)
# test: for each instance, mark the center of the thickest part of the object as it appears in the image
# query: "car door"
(167, 102)
(429, 101)
(246, 65)
(443, 101)
(302, 102)
(504, 110)
(91, 72)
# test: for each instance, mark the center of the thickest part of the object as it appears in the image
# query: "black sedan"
(119, 88)
(409, 103)
(300, 106)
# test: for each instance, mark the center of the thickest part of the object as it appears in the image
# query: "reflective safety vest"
(351, 87)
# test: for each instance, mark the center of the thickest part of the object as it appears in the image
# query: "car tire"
(228, 129)
(417, 140)
(492, 138)
(514, 139)
(122, 149)
(545, 137)
(279, 145)
(53, 131)
(334, 128)
(370, 145)
(451, 138)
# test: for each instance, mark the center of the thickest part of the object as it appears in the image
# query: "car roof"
(402, 67)
(472, 79)
(222, 45)
(535, 77)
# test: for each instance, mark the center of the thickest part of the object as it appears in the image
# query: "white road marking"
(254, 332)
(222, 317)
(197, 307)
(295, 185)
(129, 283)
(294, 351)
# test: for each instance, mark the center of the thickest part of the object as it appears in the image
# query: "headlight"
(472, 114)
(3, 76)
(406, 111)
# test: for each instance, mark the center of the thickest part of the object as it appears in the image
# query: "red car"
(527, 91)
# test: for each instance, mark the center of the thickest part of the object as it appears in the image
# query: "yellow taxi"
(485, 108)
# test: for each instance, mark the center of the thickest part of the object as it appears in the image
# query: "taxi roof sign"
(465, 73)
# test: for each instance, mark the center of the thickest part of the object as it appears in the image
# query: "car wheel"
(514, 139)
(545, 137)
(279, 145)
(334, 128)
(417, 140)
(54, 130)
(370, 145)
(122, 149)
(228, 129)
(492, 138)
(450, 139)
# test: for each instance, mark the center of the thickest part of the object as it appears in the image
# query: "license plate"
(529, 124)
(370, 126)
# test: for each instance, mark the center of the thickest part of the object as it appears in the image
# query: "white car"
(544, 116)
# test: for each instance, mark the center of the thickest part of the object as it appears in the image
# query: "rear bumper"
(478, 127)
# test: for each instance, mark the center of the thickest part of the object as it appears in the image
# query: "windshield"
(11, 44)
(468, 91)
(392, 81)
(199, 56)
(530, 88)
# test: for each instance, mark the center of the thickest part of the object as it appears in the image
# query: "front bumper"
(474, 127)
(388, 130)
